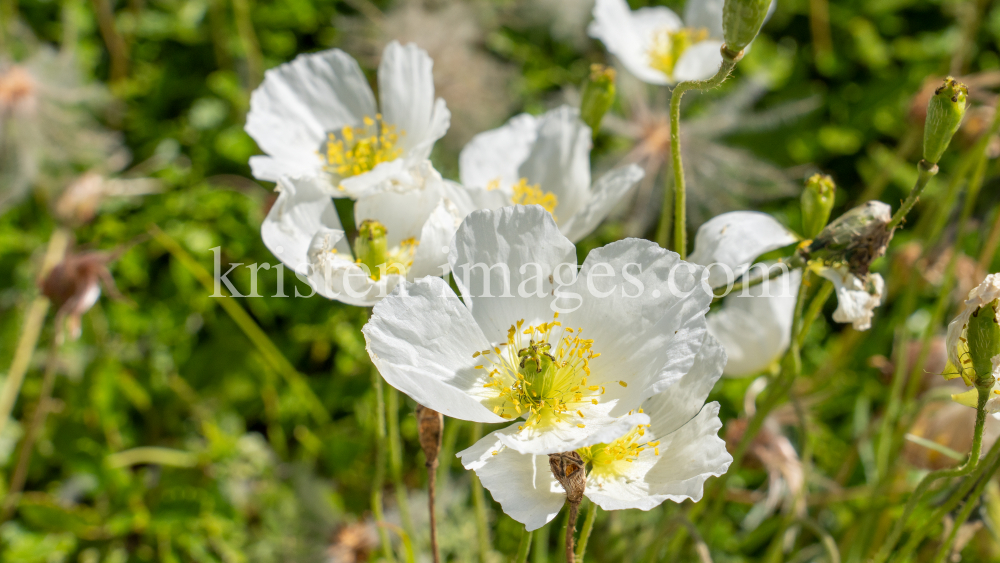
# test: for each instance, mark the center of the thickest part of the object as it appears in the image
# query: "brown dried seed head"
(569, 470)
(430, 426)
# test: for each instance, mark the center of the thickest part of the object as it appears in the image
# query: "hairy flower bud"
(817, 202)
(944, 115)
(569, 470)
(371, 247)
(742, 20)
(598, 95)
(856, 238)
(984, 342)
(430, 427)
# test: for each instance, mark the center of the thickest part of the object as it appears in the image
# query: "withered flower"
(74, 286)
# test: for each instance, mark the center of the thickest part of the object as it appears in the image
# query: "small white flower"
(545, 161)
(654, 43)
(856, 298)
(316, 120)
(984, 293)
(754, 328)
(303, 231)
(667, 459)
(633, 322)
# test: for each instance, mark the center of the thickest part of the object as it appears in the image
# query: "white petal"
(405, 207)
(699, 62)
(300, 211)
(606, 193)
(522, 483)
(674, 407)
(705, 14)
(520, 247)
(559, 161)
(645, 310)
(688, 457)
(497, 154)
(756, 330)
(300, 102)
(431, 257)
(470, 199)
(406, 90)
(384, 177)
(735, 240)
(856, 300)
(599, 427)
(628, 35)
(421, 338)
(334, 274)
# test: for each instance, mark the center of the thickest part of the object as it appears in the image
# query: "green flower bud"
(741, 21)
(856, 238)
(984, 341)
(817, 201)
(944, 115)
(371, 247)
(598, 95)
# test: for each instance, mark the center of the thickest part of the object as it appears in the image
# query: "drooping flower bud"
(598, 95)
(984, 342)
(430, 429)
(817, 202)
(569, 470)
(944, 115)
(856, 238)
(371, 247)
(741, 21)
(74, 285)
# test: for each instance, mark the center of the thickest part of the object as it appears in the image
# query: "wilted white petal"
(856, 300)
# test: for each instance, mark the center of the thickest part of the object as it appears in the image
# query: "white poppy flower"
(670, 458)
(856, 298)
(546, 161)
(654, 43)
(303, 231)
(632, 322)
(316, 120)
(754, 327)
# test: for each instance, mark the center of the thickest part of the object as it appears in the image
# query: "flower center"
(525, 194)
(545, 380)
(668, 46)
(607, 459)
(398, 260)
(371, 250)
(356, 150)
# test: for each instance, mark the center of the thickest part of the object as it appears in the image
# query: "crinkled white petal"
(628, 35)
(674, 407)
(688, 457)
(596, 426)
(980, 295)
(300, 211)
(735, 240)
(431, 257)
(699, 62)
(297, 104)
(645, 310)
(405, 208)
(756, 329)
(406, 90)
(522, 483)
(421, 338)
(604, 196)
(559, 160)
(502, 262)
(393, 175)
(334, 274)
(497, 154)
(856, 300)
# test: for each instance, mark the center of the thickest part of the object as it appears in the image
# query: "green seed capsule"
(371, 247)
(984, 342)
(944, 114)
(598, 95)
(742, 20)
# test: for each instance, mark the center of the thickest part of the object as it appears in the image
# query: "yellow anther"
(360, 149)
(668, 46)
(623, 384)
(525, 194)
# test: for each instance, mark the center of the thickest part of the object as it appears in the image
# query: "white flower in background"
(754, 328)
(667, 459)
(856, 298)
(632, 323)
(302, 229)
(316, 120)
(957, 343)
(658, 47)
(545, 161)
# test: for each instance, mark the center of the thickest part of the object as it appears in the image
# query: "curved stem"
(926, 172)
(588, 527)
(729, 61)
(970, 503)
(524, 547)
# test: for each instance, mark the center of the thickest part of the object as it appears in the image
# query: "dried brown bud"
(74, 285)
(857, 238)
(430, 427)
(569, 470)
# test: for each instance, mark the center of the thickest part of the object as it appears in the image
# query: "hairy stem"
(926, 171)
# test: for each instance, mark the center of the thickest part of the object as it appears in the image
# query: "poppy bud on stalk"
(598, 95)
(817, 202)
(568, 468)
(430, 426)
(944, 115)
(741, 21)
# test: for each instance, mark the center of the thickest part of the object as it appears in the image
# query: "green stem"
(524, 547)
(926, 171)
(769, 271)
(540, 551)
(666, 212)
(729, 61)
(396, 460)
(479, 504)
(378, 479)
(890, 418)
(815, 308)
(588, 527)
(970, 503)
(248, 40)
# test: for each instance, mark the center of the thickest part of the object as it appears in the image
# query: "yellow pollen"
(604, 457)
(356, 150)
(525, 194)
(668, 46)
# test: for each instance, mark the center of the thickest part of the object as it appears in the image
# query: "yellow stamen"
(668, 46)
(356, 150)
(525, 194)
